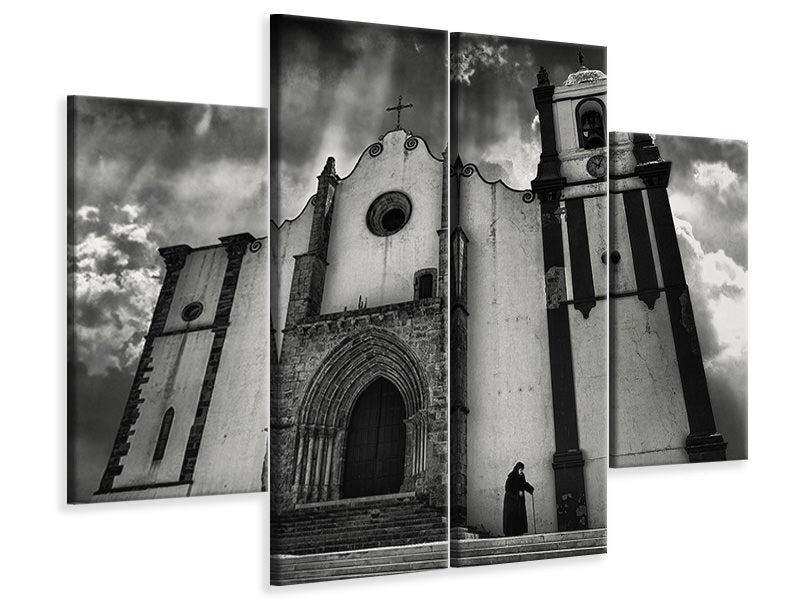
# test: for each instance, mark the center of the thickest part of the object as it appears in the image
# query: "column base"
(705, 447)
(571, 511)
(458, 516)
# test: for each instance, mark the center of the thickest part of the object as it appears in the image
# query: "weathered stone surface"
(351, 315)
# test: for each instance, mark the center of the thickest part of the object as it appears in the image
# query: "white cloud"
(714, 175)
(515, 156)
(134, 232)
(132, 211)
(124, 302)
(683, 205)
(88, 213)
(204, 123)
(95, 248)
(719, 284)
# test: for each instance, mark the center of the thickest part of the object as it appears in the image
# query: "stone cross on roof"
(400, 106)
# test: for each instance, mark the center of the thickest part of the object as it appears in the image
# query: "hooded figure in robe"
(515, 518)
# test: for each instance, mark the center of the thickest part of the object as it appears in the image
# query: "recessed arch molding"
(327, 406)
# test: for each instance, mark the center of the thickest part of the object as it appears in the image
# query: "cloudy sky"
(147, 175)
(498, 123)
(331, 82)
(708, 194)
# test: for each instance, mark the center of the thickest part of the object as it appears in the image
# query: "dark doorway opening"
(376, 443)
(426, 286)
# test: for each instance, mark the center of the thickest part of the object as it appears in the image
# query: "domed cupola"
(585, 75)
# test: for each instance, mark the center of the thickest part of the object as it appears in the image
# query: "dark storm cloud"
(331, 82)
(493, 78)
(146, 175)
(95, 410)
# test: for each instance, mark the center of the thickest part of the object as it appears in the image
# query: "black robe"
(515, 518)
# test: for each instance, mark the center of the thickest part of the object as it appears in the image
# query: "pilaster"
(568, 463)
(308, 279)
(235, 247)
(703, 443)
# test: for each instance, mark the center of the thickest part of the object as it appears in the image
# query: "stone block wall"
(341, 354)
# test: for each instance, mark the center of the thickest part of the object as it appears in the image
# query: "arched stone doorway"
(331, 403)
(376, 442)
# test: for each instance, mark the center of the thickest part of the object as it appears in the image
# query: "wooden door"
(376, 443)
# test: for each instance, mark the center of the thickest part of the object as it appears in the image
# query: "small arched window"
(590, 118)
(163, 434)
(424, 284)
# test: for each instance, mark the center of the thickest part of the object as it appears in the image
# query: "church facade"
(528, 324)
(195, 421)
(359, 342)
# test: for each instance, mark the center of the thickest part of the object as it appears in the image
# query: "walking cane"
(533, 501)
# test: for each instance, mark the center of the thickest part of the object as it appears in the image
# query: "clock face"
(596, 166)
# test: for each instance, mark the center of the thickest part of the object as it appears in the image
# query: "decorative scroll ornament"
(255, 246)
(527, 197)
(375, 149)
(411, 143)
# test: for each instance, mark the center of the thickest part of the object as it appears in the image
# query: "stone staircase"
(357, 537)
(467, 549)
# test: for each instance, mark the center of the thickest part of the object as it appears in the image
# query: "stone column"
(458, 378)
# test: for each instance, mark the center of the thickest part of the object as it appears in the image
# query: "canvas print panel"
(528, 324)
(168, 297)
(679, 299)
(358, 300)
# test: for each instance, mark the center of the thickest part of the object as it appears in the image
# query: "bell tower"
(570, 187)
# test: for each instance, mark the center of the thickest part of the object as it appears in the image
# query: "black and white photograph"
(358, 434)
(167, 393)
(678, 272)
(409, 222)
(529, 450)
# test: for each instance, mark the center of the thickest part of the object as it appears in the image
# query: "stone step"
(357, 523)
(463, 533)
(531, 547)
(531, 537)
(352, 537)
(354, 543)
(346, 527)
(287, 570)
(359, 545)
(490, 551)
(475, 561)
(409, 553)
(330, 574)
(361, 512)
(351, 503)
(282, 529)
